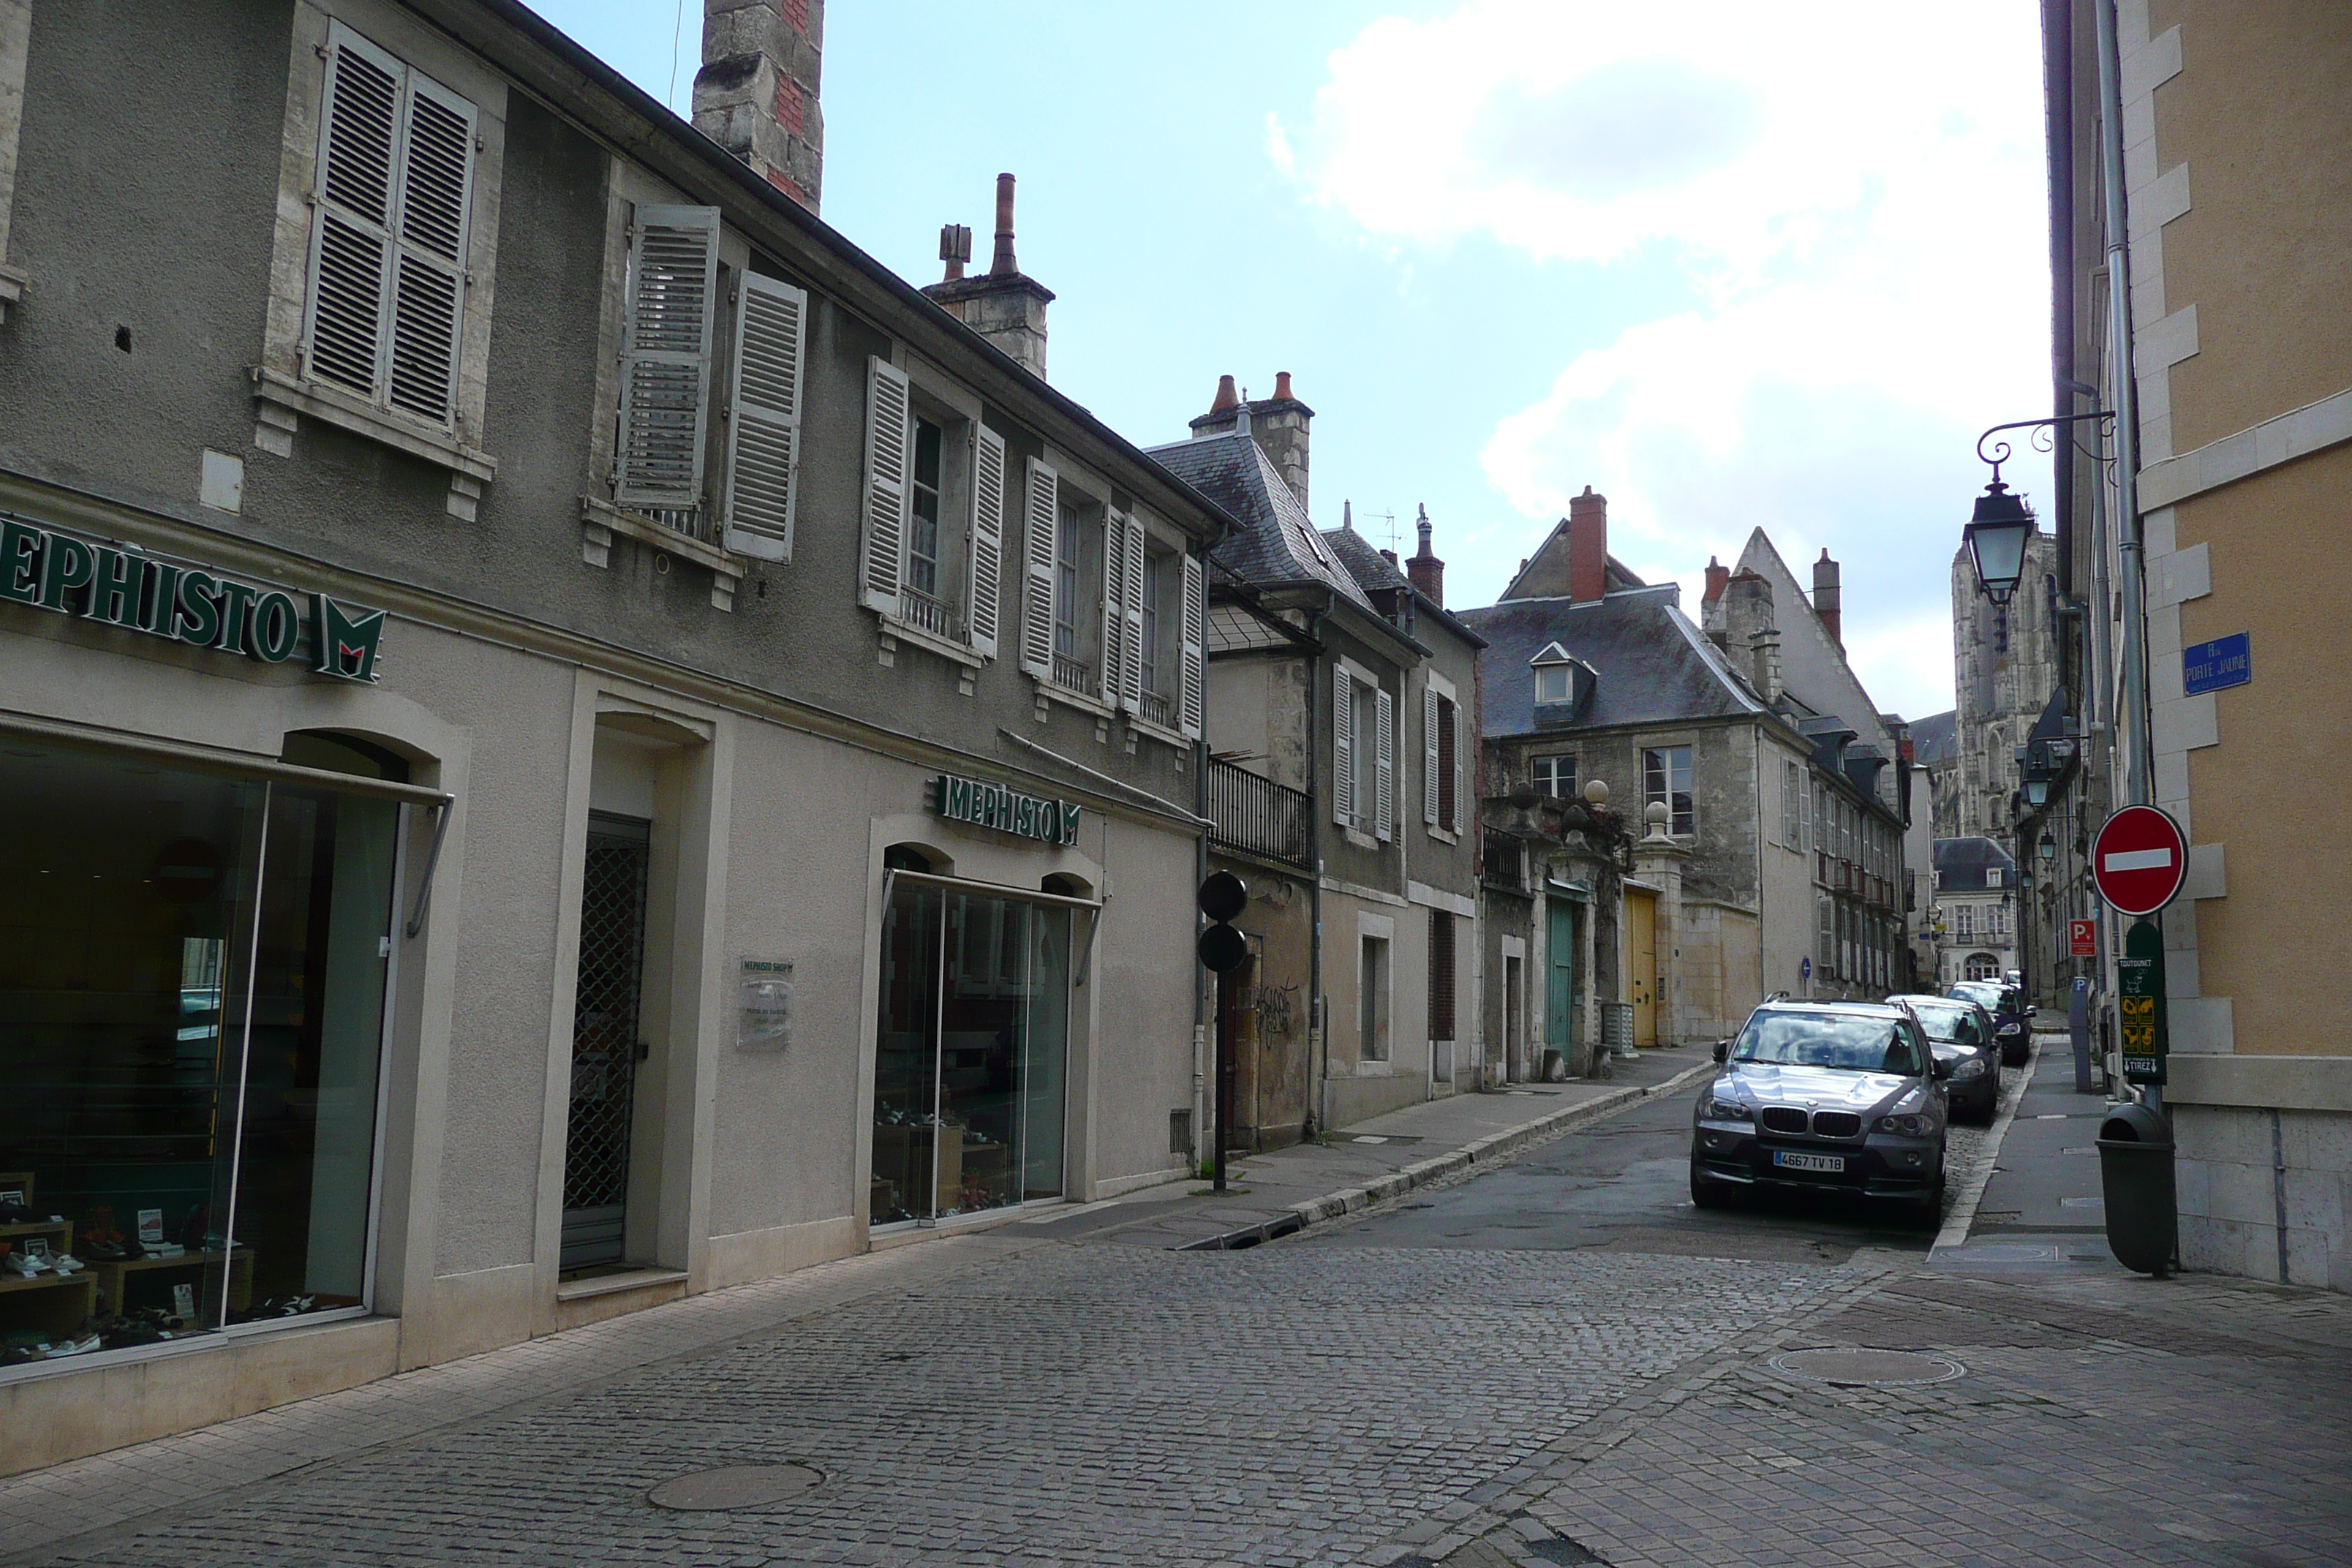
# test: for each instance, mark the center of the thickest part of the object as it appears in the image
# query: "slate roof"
(1961, 864)
(1276, 544)
(1653, 665)
(1365, 562)
(1935, 739)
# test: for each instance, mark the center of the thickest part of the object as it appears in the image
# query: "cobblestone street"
(1356, 1396)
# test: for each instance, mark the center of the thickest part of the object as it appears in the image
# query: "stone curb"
(1396, 1183)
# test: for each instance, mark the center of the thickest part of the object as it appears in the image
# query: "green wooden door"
(1561, 948)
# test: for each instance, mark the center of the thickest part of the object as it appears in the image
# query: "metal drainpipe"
(2130, 562)
(1200, 986)
(2126, 402)
(1318, 1020)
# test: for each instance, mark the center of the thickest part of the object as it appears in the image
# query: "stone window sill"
(12, 289)
(614, 1284)
(895, 631)
(1071, 697)
(284, 402)
(600, 519)
(1446, 836)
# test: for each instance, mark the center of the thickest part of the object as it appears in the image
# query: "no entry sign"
(2140, 860)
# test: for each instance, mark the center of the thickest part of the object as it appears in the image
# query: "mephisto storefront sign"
(985, 804)
(123, 586)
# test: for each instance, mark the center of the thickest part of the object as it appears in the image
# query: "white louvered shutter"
(764, 418)
(1130, 673)
(1384, 798)
(987, 537)
(1114, 621)
(394, 193)
(1343, 746)
(1037, 607)
(1429, 717)
(1195, 714)
(665, 413)
(888, 424)
(428, 284)
(1463, 741)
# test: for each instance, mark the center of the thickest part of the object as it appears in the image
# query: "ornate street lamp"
(1998, 532)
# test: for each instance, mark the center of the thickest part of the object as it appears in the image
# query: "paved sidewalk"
(2042, 1207)
(1276, 1193)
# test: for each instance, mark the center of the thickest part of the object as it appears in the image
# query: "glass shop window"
(192, 987)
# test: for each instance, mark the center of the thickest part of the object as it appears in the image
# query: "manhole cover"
(1867, 1369)
(734, 1486)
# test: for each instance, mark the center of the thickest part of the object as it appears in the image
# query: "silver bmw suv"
(1844, 1095)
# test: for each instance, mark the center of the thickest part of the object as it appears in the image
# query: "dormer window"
(1561, 682)
(1552, 683)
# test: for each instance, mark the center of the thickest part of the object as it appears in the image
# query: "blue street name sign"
(2210, 665)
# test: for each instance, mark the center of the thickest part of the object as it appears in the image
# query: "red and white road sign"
(2139, 860)
(2082, 939)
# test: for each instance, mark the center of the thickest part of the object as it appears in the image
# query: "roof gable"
(1651, 664)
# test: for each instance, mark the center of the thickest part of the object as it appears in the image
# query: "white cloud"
(1852, 192)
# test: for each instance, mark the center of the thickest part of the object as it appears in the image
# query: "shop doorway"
(605, 1041)
(970, 1071)
(1642, 963)
(1560, 995)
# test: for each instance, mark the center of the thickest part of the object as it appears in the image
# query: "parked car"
(1843, 1095)
(1961, 1033)
(2011, 1015)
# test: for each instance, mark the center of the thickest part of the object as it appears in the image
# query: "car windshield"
(1828, 1040)
(1989, 995)
(1957, 1024)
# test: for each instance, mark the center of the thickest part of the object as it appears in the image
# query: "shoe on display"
(21, 1264)
(66, 1263)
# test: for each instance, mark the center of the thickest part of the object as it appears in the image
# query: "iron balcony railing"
(1503, 865)
(1158, 709)
(934, 616)
(1072, 676)
(1259, 817)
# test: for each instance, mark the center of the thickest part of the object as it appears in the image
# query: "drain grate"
(1867, 1369)
(733, 1487)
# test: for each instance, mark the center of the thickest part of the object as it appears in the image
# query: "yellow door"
(1642, 963)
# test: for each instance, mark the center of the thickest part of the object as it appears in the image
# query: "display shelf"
(112, 1276)
(47, 1302)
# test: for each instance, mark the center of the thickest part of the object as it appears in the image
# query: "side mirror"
(1942, 1068)
(1722, 1049)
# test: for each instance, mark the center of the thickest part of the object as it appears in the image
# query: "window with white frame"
(1964, 922)
(1791, 784)
(1554, 775)
(1131, 634)
(1666, 777)
(385, 249)
(1363, 751)
(1067, 552)
(932, 558)
(1444, 752)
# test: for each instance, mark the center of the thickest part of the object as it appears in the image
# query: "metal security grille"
(605, 1045)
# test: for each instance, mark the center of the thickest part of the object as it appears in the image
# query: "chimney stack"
(1749, 634)
(1718, 576)
(1006, 306)
(1425, 570)
(1280, 425)
(1825, 598)
(1588, 547)
(757, 92)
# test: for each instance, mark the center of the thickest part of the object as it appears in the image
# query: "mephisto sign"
(123, 586)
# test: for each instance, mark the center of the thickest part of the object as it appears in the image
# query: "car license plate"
(1833, 1164)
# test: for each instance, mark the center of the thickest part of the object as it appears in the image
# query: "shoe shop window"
(192, 985)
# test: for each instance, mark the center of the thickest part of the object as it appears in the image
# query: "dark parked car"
(1844, 1095)
(2011, 1015)
(1961, 1034)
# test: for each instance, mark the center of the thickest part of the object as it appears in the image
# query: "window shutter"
(1384, 799)
(1114, 625)
(1429, 719)
(1343, 746)
(764, 418)
(1037, 607)
(884, 562)
(1131, 604)
(1195, 659)
(437, 198)
(1463, 741)
(351, 258)
(665, 357)
(987, 538)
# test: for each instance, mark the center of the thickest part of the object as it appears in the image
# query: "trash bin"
(2136, 1175)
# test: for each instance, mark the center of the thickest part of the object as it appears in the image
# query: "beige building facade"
(2237, 205)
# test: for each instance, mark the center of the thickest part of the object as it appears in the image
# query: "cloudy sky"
(1733, 266)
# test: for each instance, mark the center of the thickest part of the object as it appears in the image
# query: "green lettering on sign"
(1007, 811)
(120, 584)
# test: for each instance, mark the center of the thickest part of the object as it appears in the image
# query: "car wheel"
(2012, 1056)
(1704, 1194)
(1991, 1109)
(1927, 1213)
